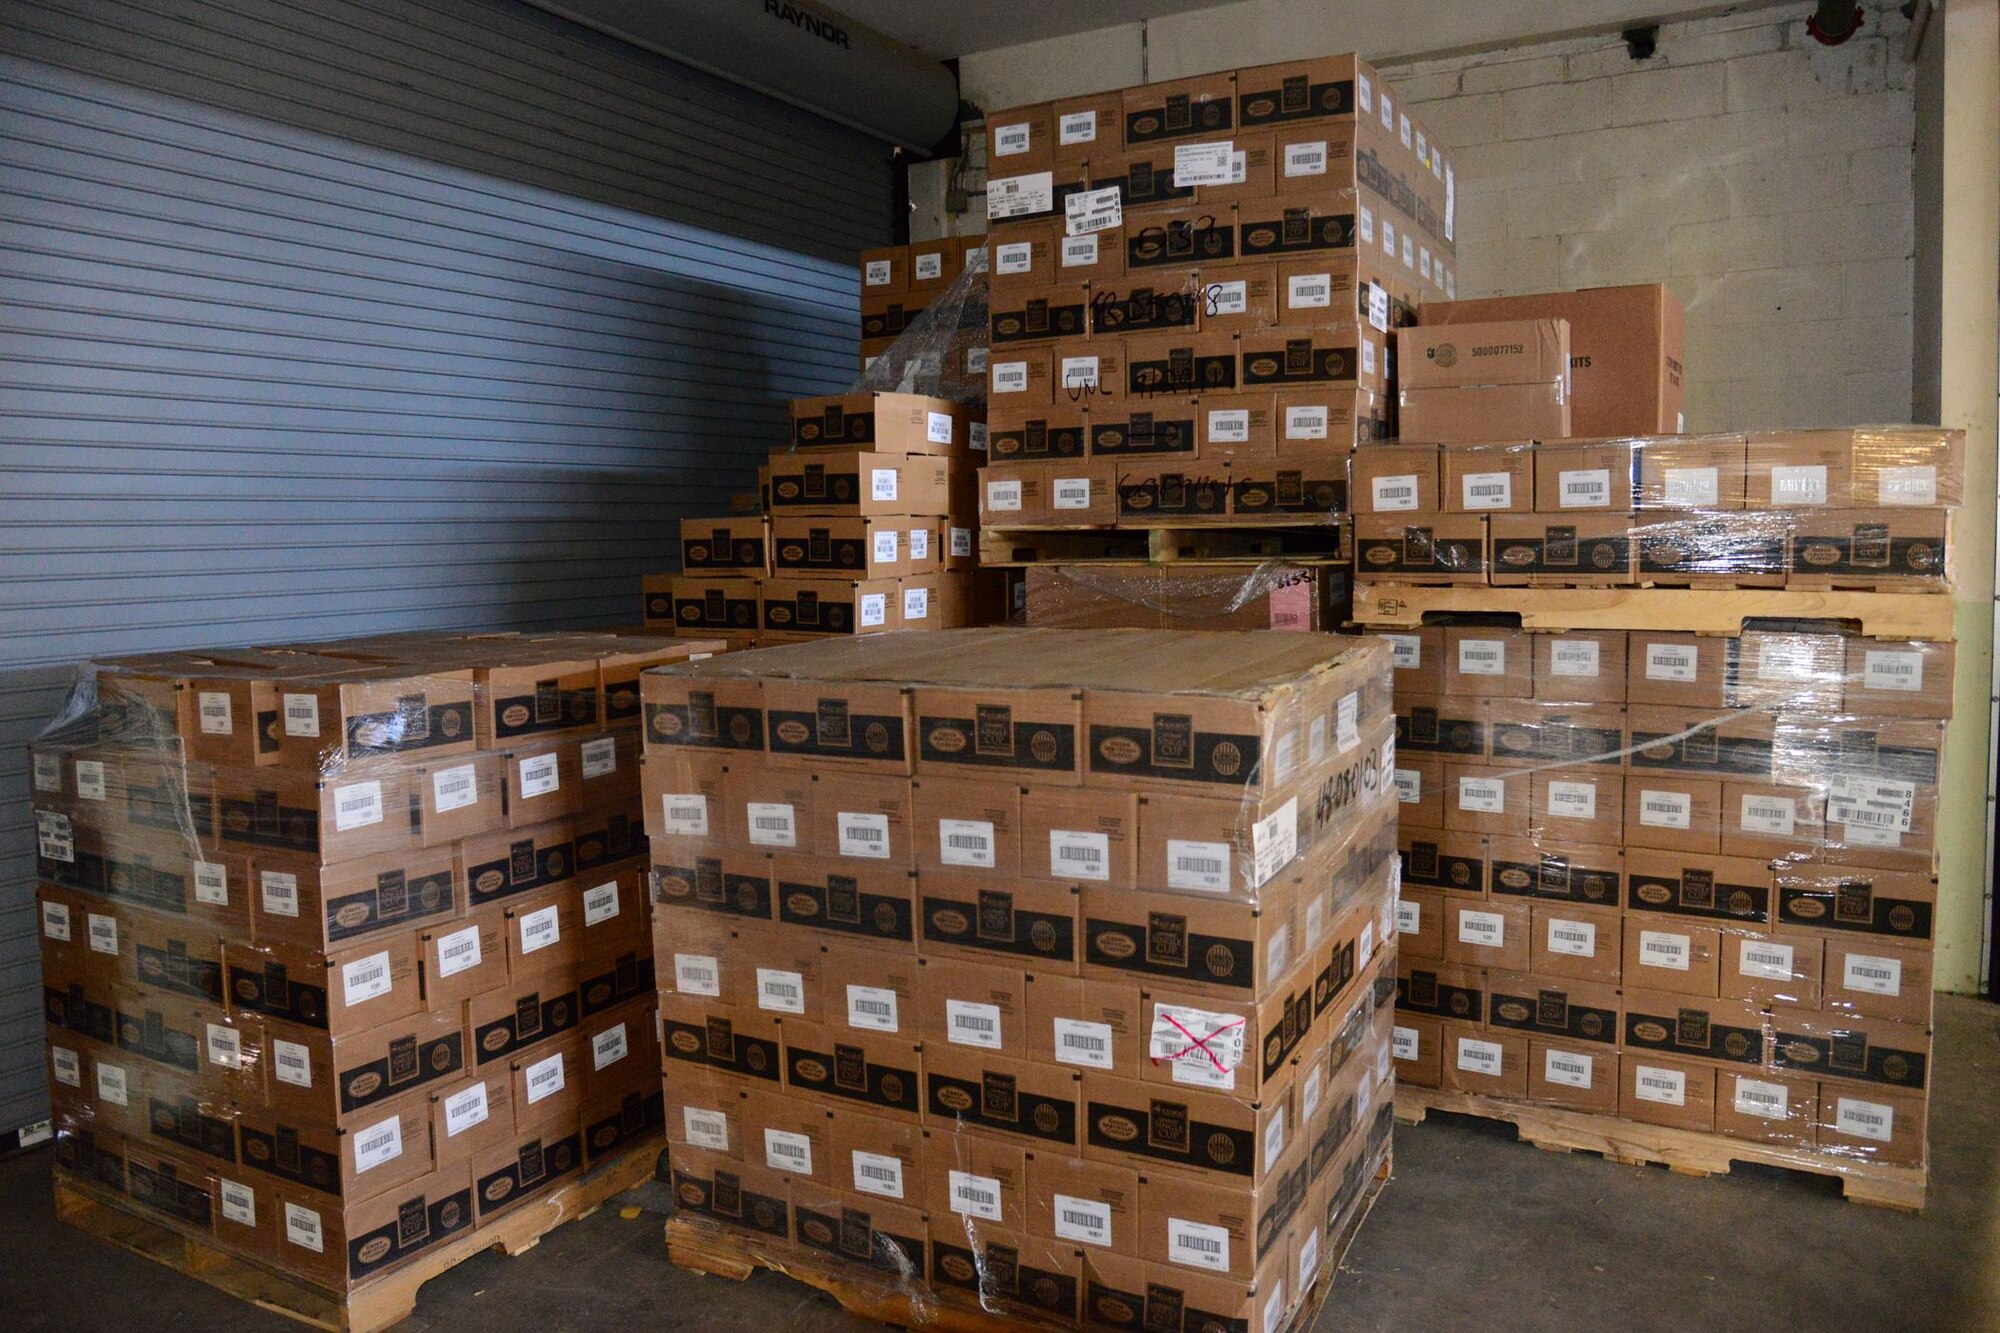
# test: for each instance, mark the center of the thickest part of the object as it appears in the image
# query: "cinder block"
(1548, 109)
(1653, 95)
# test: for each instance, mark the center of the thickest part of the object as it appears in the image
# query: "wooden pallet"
(1683, 1151)
(1167, 544)
(1701, 610)
(370, 1306)
(702, 1246)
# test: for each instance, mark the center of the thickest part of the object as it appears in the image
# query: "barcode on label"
(1867, 1120)
(215, 713)
(976, 1196)
(357, 806)
(1666, 809)
(786, 1151)
(1667, 1086)
(1197, 1244)
(1758, 1098)
(1577, 938)
(1078, 854)
(1585, 490)
(1567, 1068)
(1482, 657)
(1670, 662)
(293, 1064)
(1659, 949)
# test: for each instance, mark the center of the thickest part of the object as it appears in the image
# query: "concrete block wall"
(1762, 176)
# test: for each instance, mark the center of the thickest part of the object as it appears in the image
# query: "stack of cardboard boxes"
(1679, 879)
(1865, 507)
(900, 282)
(1192, 287)
(865, 529)
(345, 947)
(1044, 971)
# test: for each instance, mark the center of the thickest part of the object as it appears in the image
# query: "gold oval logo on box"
(1802, 1052)
(956, 1268)
(496, 1190)
(515, 715)
(1263, 366)
(1115, 1312)
(802, 904)
(364, 1084)
(1648, 1030)
(352, 915)
(816, 1231)
(691, 1194)
(1513, 1011)
(1253, 497)
(792, 553)
(1381, 555)
(778, 614)
(1513, 877)
(1220, 960)
(686, 1043)
(792, 732)
(1121, 1129)
(1656, 894)
(1259, 107)
(1119, 750)
(1820, 553)
(948, 740)
(954, 1099)
(697, 553)
(949, 921)
(1517, 555)
(787, 489)
(1114, 945)
(1259, 237)
(373, 1251)
(809, 1070)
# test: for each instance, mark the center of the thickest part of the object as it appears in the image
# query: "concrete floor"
(1475, 1232)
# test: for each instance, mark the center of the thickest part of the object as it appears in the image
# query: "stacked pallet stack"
(866, 528)
(1672, 888)
(345, 946)
(1192, 288)
(1037, 972)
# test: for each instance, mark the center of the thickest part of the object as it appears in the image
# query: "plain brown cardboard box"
(1767, 1108)
(1571, 940)
(1548, 869)
(983, 1006)
(1483, 1062)
(1659, 1090)
(1483, 355)
(1573, 1075)
(1419, 792)
(1873, 1125)
(1578, 805)
(1484, 798)
(1762, 968)
(1395, 478)
(1580, 666)
(1487, 662)
(1420, 918)
(1417, 1045)
(1419, 659)
(1673, 812)
(963, 824)
(1898, 679)
(1483, 933)
(885, 271)
(1083, 1202)
(876, 1158)
(1071, 492)
(1872, 979)
(1036, 254)
(1693, 472)
(1487, 478)
(970, 1177)
(1677, 670)
(1577, 476)
(1798, 469)
(1762, 819)
(1625, 351)
(1667, 954)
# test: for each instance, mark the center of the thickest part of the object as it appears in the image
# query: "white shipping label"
(1306, 159)
(1309, 1095)
(467, 1109)
(1085, 1221)
(1078, 855)
(1900, 486)
(55, 921)
(1409, 785)
(961, 538)
(975, 1196)
(1367, 356)
(1227, 298)
(928, 268)
(938, 427)
(1404, 1043)
(1577, 658)
(608, 1047)
(874, 609)
(1692, 487)
(1482, 657)
(1666, 809)
(1378, 306)
(1754, 1096)
(378, 1144)
(1071, 492)
(1347, 727)
(279, 892)
(1393, 493)
(1274, 1142)
(292, 1063)
(882, 483)
(457, 952)
(975, 364)
(1274, 842)
(239, 1203)
(1486, 929)
(1081, 1043)
(211, 883)
(1363, 92)
(1308, 1258)
(1406, 651)
(1486, 490)
(1090, 211)
(90, 779)
(69, 1069)
(771, 824)
(225, 1046)
(1575, 938)
(1668, 1087)
(1568, 1068)
(1769, 814)
(969, 1024)
(1019, 196)
(540, 928)
(1197, 865)
(1870, 803)
(539, 776)
(454, 788)
(55, 840)
(1003, 497)
(365, 978)
(916, 603)
(1481, 1057)
(704, 1128)
(686, 814)
(1483, 795)
(357, 806)
(1202, 163)
(781, 991)
(1388, 113)
(1079, 372)
(1572, 800)
(112, 1085)
(1014, 257)
(966, 842)
(48, 773)
(1764, 958)
(1079, 251)
(787, 1151)
(1873, 976)
(876, 273)
(885, 547)
(601, 903)
(1011, 140)
(1198, 1245)
(214, 710)
(1672, 661)
(1367, 223)
(1409, 916)
(1798, 485)
(1900, 672)
(1274, 1309)
(1309, 291)
(873, 1008)
(920, 544)
(879, 1174)
(1660, 948)
(1587, 489)
(1305, 423)
(302, 1228)
(697, 974)
(864, 835)
(1403, 128)
(1202, 1048)
(1229, 425)
(545, 1078)
(301, 715)
(1865, 1120)
(1076, 127)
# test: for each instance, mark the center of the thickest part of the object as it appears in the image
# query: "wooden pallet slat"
(1683, 1151)
(1877, 615)
(371, 1305)
(1165, 543)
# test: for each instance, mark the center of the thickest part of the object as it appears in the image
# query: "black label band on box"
(417, 1227)
(409, 1064)
(1855, 907)
(1047, 747)
(535, 1018)
(1158, 950)
(1422, 993)
(746, 1209)
(707, 886)
(840, 905)
(993, 924)
(847, 1072)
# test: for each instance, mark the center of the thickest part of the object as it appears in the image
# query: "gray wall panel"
(322, 317)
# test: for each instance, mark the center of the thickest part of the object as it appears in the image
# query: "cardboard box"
(1870, 548)
(1482, 933)
(1695, 1027)
(1579, 666)
(1137, 429)
(1029, 494)
(1439, 725)
(1712, 549)
(1308, 485)
(1453, 862)
(1170, 299)
(866, 818)
(1241, 428)
(885, 271)
(718, 605)
(1442, 991)
(1871, 1051)
(1157, 1129)
(1673, 813)
(1874, 979)
(373, 711)
(738, 544)
(1898, 466)
(1572, 1075)
(1876, 1126)
(1773, 821)
(1201, 107)
(978, 1265)
(1486, 478)
(859, 482)
(1697, 741)
(330, 819)
(1885, 679)
(1574, 550)
(1886, 904)
(1039, 254)
(971, 1181)
(726, 1039)
(1577, 942)
(1567, 1010)
(1427, 547)
(1486, 662)
(858, 548)
(737, 1194)
(1767, 1108)
(1169, 236)
(1164, 492)
(1339, 356)
(1679, 1094)
(1483, 1062)
(1578, 805)
(512, 1173)
(1083, 1202)
(1547, 868)
(1692, 472)
(1419, 786)
(1484, 798)
(336, 1247)
(1666, 954)
(868, 1231)
(1028, 1103)
(1418, 1045)
(887, 318)
(1038, 314)
(1625, 351)
(1307, 415)
(835, 606)
(1585, 475)
(1039, 433)
(1420, 923)
(1696, 884)
(1764, 969)
(1180, 363)
(1798, 469)
(851, 901)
